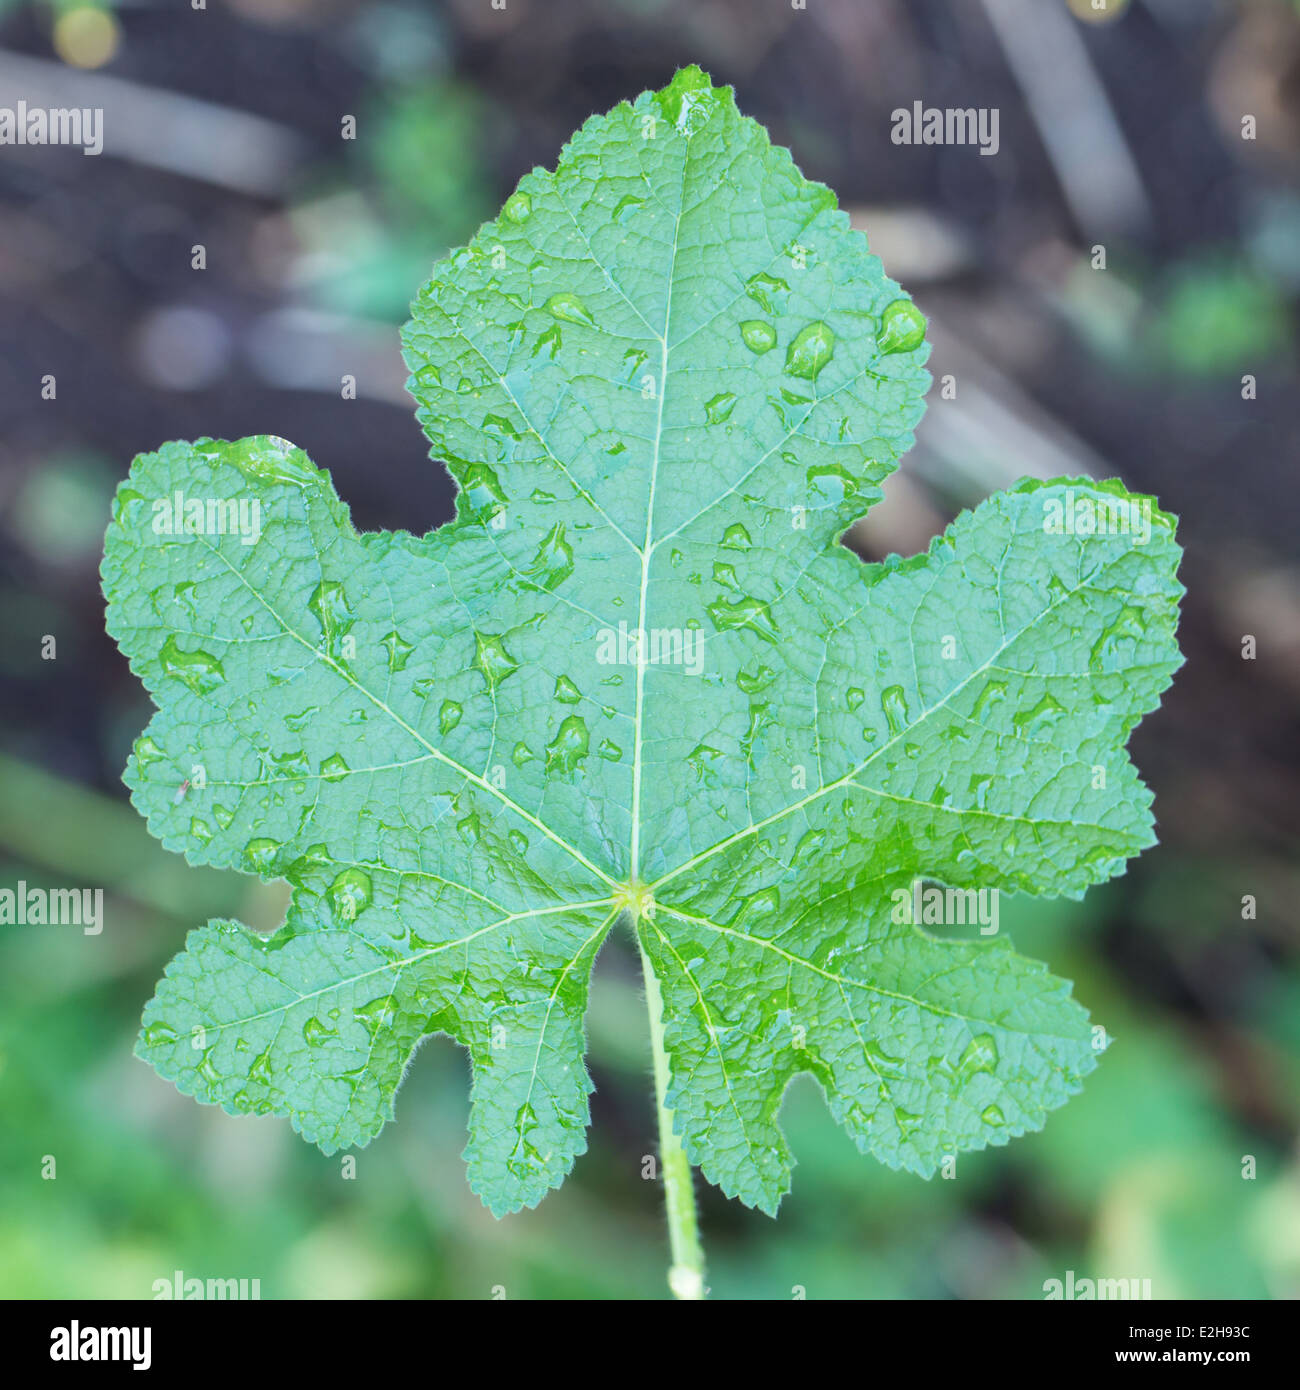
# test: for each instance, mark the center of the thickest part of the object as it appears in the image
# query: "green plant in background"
(638, 683)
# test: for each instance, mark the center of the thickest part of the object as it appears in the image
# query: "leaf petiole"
(686, 1274)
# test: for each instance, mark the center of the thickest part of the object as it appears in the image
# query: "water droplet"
(315, 1032)
(552, 338)
(147, 752)
(1130, 624)
(724, 575)
(199, 671)
(993, 693)
(981, 1055)
(628, 204)
(609, 750)
(980, 783)
(267, 459)
(908, 1122)
(222, 815)
(902, 327)
(260, 854)
(159, 1034)
(329, 605)
(842, 481)
(735, 537)
(746, 613)
(757, 335)
(894, 706)
(701, 759)
(399, 651)
(298, 722)
(350, 894)
(812, 348)
(449, 716)
(521, 754)
(553, 562)
(334, 768)
(570, 308)
(200, 830)
(756, 906)
(809, 843)
(855, 696)
(566, 691)
(492, 659)
(519, 207)
(569, 746)
(304, 870)
(688, 100)
(991, 1115)
(762, 288)
(751, 682)
(377, 1014)
(718, 409)
(291, 765)
(1044, 714)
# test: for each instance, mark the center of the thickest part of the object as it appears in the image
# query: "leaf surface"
(638, 679)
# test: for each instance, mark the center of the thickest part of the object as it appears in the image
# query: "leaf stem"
(686, 1275)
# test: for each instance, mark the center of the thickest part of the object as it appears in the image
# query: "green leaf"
(666, 380)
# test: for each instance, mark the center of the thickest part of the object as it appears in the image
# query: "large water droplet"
(553, 562)
(334, 768)
(757, 335)
(748, 613)
(902, 327)
(812, 348)
(399, 650)
(1042, 715)
(519, 207)
(763, 288)
(981, 1055)
(259, 854)
(570, 308)
(894, 706)
(993, 693)
(350, 894)
(718, 409)
(315, 1032)
(688, 100)
(199, 671)
(569, 746)
(492, 659)
(329, 605)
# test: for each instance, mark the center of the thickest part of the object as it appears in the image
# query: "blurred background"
(1121, 129)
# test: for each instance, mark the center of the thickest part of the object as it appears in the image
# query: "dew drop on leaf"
(758, 336)
(812, 348)
(199, 671)
(902, 327)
